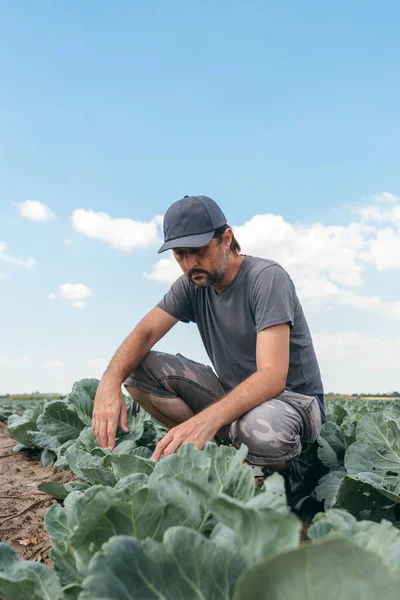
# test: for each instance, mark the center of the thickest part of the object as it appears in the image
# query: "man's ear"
(228, 235)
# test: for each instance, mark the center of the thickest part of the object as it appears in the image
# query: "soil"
(22, 505)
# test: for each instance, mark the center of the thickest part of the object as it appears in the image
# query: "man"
(267, 391)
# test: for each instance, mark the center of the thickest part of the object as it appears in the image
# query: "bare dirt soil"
(22, 505)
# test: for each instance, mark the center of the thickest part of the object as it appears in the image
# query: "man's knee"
(271, 444)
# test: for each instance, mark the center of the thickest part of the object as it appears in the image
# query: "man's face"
(203, 266)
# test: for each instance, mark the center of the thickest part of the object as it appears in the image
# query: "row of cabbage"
(10, 407)
(360, 449)
(192, 525)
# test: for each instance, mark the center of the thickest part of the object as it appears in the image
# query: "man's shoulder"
(257, 265)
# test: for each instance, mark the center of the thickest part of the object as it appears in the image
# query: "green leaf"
(126, 447)
(377, 450)
(26, 580)
(149, 436)
(229, 474)
(273, 496)
(43, 440)
(94, 469)
(88, 385)
(362, 495)
(87, 520)
(327, 455)
(330, 523)
(328, 486)
(186, 566)
(134, 479)
(149, 512)
(71, 592)
(20, 448)
(330, 570)
(336, 413)
(83, 404)
(48, 458)
(126, 464)
(61, 461)
(20, 427)
(382, 538)
(61, 490)
(332, 445)
(87, 440)
(260, 530)
(61, 420)
(70, 525)
(136, 426)
(226, 471)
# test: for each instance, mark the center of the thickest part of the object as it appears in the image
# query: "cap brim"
(189, 241)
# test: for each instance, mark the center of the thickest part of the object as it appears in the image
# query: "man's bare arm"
(109, 404)
(272, 356)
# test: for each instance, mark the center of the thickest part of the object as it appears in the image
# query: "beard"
(209, 277)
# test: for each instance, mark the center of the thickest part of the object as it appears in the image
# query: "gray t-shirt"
(261, 295)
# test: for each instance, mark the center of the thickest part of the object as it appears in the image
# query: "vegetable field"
(194, 526)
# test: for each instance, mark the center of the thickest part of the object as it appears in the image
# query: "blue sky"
(284, 113)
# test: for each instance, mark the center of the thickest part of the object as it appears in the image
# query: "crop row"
(194, 526)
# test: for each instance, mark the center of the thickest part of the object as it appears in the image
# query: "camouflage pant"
(274, 431)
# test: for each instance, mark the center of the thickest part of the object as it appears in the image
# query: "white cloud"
(327, 251)
(74, 291)
(392, 309)
(21, 359)
(3, 276)
(79, 304)
(379, 214)
(67, 242)
(351, 359)
(158, 220)
(320, 259)
(386, 197)
(36, 211)
(383, 250)
(53, 364)
(9, 258)
(15, 360)
(164, 270)
(122, 234)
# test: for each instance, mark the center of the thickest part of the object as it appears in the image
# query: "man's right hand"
(109, 409)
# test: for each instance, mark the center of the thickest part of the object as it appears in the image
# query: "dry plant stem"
(31, 496)
(42, 554)
(35, 552)
(22, 511)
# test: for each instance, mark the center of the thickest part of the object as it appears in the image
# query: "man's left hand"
(197, 429)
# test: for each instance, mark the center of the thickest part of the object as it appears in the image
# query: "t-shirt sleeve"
(274, 298)
(177, 301)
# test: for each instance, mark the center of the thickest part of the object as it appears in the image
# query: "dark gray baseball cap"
(191, 222)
